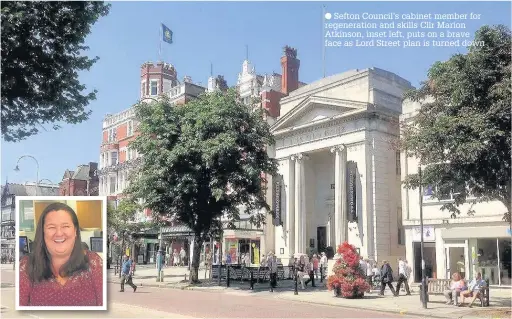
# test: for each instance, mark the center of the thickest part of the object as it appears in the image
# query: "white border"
(17, 250)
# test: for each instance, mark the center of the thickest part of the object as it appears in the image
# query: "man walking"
(272, 265)
(126, 274)
(403, 277)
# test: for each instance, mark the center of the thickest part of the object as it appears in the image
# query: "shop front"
(238, 244)
(484, 249)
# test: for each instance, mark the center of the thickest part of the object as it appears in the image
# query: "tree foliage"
(201, 161)
(42, 43)
(463, 126)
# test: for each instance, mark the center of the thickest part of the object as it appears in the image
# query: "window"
(443, 194)
(398, 163)
(143, 89)
(113, 158)
(154, 87)
(401, 230)
(112, 184)
(102, 162)
(130, 128)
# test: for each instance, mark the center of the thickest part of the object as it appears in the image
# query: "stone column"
(300, 205)
(340, 194)
(290, 207)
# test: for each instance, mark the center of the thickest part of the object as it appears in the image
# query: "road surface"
(150, 302)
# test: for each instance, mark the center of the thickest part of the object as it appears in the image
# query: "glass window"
(397, 162)
(112, 184)
(504, 246)
(113, 158)
(130, 128)
(143, 89)
(154, 87)
(488, 260)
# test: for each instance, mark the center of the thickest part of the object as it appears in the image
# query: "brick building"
(81, 182)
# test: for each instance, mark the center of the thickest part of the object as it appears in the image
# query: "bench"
(438, 287)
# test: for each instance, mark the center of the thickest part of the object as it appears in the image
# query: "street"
(164, 303)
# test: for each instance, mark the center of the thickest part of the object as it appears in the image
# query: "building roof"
(29, 190)
(82, 173)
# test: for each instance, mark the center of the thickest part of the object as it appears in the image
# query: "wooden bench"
(438, 287)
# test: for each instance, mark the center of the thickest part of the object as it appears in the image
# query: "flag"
(166, 34)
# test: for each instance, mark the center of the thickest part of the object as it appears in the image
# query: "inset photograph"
(59, 253)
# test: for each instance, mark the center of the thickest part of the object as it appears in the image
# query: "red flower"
(347, 274)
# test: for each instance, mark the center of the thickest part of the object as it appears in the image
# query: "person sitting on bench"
(473, 289)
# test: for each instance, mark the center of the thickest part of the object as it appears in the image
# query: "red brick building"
(81, 182)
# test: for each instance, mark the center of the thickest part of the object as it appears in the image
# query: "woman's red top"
(81, 289)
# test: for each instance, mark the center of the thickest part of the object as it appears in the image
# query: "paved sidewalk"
(405, 305)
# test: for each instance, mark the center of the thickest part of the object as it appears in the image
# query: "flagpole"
(323, 42)
(160, 37)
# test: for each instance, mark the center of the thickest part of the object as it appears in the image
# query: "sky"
(217, 33)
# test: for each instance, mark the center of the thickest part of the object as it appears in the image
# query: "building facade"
(9, 191)
(81, 182)
(339, 171)
(470, 243)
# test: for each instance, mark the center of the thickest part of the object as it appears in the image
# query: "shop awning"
(475, 232)
(177, 231)
(150, 241)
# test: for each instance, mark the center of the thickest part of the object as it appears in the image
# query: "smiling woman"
(59, 272)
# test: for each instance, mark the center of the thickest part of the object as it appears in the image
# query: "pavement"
(153, 302)
(208, 300)
(174, 277)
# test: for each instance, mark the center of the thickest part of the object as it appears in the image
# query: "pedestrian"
(272, 265)
(126, 274)
(311, 273)
(291, 266)
(247, 259)
(316, 264)
(301, 270)
(263, 262)
(183, 256)
(386, 278)
(175, 258)
(324, 264)
(403, 277)
(369, 274)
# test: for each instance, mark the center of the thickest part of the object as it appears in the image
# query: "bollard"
(296, 288)
(321, 274)
(185, 277)
(270, 281)
(227, 276)
(252, 281)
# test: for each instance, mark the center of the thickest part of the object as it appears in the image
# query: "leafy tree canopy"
(42, 43)
(202, 160)
(463, 126)
(122, 218)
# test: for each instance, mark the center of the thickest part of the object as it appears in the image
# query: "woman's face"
(59, 233)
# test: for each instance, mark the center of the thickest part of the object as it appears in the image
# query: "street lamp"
(17, 169)
(423, 291)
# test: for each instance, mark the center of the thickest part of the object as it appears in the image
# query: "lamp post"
(160, 257)
(17, 169)
(423, 291)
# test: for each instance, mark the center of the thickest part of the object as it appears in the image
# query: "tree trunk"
(194, 268)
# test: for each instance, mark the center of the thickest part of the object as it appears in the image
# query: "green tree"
(122, 219)
(42, 43)
(201, 161)
(462, 131)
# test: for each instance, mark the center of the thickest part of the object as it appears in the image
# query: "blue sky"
(211, 32)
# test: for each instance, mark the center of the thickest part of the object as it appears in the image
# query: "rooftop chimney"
(290, 66)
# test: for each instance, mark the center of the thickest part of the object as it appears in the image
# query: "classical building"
(81, 182)
(9, 191)
(339, 172)
(470, 243)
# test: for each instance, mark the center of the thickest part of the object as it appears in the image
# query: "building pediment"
(316, 108)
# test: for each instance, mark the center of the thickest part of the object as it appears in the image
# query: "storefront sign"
(276, 195)
(428, 233)
(351, 191)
